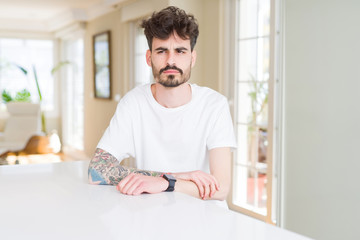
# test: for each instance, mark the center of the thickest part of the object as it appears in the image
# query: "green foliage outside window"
(24, 95)
(21, 96)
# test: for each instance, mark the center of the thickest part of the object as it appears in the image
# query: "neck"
(171, 97)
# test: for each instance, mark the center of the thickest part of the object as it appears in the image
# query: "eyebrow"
(161, 49)
(181, 48)
(164, 49)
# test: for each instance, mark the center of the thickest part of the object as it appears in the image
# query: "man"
(179, 133)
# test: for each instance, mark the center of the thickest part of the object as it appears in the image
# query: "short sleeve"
(222, 131)
(118, 137)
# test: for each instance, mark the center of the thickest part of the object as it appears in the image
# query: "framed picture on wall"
(102, 65)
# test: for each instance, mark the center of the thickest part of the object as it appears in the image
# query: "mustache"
(171, 67)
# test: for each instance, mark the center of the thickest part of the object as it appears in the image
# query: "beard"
(171, 81)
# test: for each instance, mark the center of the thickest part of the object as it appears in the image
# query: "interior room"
(289, 70)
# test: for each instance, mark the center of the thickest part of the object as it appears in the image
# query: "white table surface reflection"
(54, 201)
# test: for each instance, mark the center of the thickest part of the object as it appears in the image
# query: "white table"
(54, 201)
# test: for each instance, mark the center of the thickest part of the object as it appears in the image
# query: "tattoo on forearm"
(105, 169)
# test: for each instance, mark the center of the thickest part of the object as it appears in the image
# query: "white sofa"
(24, 121)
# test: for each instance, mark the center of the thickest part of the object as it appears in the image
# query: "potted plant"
(53, 71)
(24, 96)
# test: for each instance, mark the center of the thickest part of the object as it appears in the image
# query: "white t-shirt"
(169, 139)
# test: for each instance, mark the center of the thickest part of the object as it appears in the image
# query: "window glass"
(252, 88)
(73, 95)
(36, 56)
(253, 103)
(142, 72)
(254, 55)
(254, 18)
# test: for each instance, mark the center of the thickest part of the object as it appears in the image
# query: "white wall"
(322, 118)
(98, 112)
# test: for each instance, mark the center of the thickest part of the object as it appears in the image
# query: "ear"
(148, 57)
(193, 58)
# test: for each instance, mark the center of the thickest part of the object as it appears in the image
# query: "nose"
(170, 58)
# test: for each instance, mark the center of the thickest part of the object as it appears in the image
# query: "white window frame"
(274, 149)
(72, 33)
(67, 112)
(133, 25)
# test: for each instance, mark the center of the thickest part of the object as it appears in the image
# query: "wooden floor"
(12, 159)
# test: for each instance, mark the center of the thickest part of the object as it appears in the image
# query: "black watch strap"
(171, 179)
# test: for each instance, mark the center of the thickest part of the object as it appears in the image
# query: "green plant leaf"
(21, 68)
(37, 83)
(6, 97)
(58, 66)
(23, 96)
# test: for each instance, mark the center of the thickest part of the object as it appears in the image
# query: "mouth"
(171, 70)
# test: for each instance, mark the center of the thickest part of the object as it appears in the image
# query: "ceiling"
(50, 15)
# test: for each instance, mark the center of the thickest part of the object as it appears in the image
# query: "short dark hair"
(162, 24)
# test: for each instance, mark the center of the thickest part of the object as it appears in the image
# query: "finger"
(217, 185)
(134, 186)
(213, 180)
(211, 184)
(131, 185)
(212, 189)
(206, 192)
(200, 187)
(204, 185)
(124, 184)
(137, 191)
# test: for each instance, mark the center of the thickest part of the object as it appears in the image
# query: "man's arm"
(220, 169)
(214, 186)
(105, 169)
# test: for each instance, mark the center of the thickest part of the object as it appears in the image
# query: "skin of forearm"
(190, 188)
(105, 169)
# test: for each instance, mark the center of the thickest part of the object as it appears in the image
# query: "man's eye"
(180, 51)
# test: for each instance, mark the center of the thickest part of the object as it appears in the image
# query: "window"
(28, 53)
(141, 72)
(253, 165)
(73, 95)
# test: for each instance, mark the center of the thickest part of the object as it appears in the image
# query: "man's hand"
(136, 184)
(215, 185)
(105, 169)
(206, 183)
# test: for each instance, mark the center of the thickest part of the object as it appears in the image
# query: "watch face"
(169, 177)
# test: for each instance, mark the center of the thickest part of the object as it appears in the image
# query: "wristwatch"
(171, 181)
